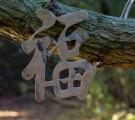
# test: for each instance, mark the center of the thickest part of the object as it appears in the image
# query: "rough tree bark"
(111, 42)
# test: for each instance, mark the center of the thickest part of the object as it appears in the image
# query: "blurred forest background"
(111, 95)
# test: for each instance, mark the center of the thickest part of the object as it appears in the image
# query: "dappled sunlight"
(123, 115)
(8, 113)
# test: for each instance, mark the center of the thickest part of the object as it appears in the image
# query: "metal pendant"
(80, 73)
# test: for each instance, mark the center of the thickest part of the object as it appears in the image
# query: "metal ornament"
(80, 71)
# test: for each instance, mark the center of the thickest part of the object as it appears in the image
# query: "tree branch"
(111, 42)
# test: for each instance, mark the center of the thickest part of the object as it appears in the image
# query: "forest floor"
(15, 108)
(20, 109)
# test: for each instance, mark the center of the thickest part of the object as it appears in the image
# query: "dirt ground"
(19, 109)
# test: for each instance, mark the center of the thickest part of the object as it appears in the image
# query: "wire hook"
(127, 8)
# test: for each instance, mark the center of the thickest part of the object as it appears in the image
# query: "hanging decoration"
(80, 73)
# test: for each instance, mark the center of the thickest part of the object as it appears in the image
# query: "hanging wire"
(127, 8)
(53, 7)
(53, 2)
